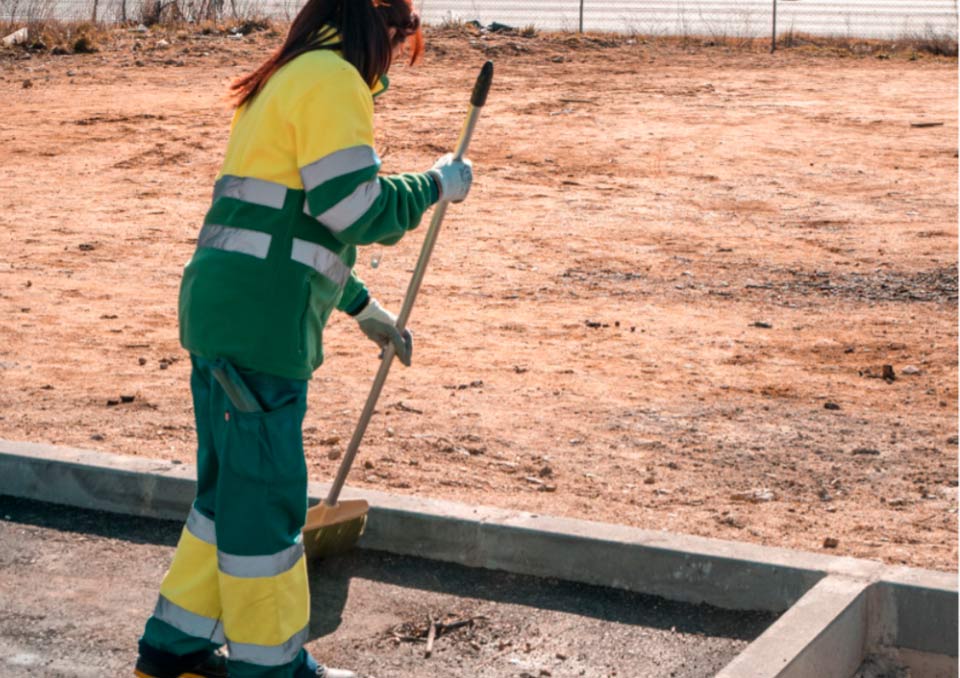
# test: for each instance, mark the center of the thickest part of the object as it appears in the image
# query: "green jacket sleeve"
(333, 128)
(399, 208)
(355, 295)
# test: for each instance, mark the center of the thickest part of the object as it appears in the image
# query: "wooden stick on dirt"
(457, 624)
(431, 636)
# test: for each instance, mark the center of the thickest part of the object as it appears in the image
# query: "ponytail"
(364, 39)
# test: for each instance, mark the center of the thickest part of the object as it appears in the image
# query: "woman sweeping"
(298, 192)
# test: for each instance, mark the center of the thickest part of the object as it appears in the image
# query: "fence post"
(773, 35)
(581, 16)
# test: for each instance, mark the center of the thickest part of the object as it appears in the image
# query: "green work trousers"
(239, 573)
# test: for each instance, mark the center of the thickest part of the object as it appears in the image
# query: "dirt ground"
(668, 301)
(63, 615)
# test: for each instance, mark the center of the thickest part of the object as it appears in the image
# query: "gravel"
(77, 586)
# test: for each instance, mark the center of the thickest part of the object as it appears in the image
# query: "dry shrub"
(451, 27)
(937, 44)
(249, 26)
(928, 42)
(62, 37)
(84, 45)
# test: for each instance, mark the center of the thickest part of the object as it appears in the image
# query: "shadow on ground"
(330, 579)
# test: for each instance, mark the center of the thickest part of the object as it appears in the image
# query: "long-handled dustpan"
(333, 526)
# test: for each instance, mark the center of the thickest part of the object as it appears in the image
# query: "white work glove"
(453, 177)
(381, 326)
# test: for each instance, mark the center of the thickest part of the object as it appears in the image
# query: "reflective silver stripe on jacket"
(337, 164)
(242, 240)
(201, 527)
(269, 655)
(346, 212)
(322, 260)
(248, 189)
(190, 623)
(260, 566)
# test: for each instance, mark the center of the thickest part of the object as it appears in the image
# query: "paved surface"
(76, 586)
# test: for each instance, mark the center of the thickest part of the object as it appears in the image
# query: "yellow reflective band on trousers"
(258, 605)
(264, 617)
(190, 593)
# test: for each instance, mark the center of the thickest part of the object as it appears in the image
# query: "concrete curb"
(855, 603)
(824, 634)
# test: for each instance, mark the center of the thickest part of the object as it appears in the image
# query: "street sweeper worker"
(298, 192)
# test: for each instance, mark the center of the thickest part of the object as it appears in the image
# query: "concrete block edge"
(676, 566)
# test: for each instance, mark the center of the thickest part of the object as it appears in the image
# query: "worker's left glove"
(381, 326)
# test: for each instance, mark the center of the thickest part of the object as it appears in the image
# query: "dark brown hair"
(364, 39)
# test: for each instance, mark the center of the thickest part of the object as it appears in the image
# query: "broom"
(334, 526)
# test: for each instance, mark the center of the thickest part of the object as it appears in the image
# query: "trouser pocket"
(262, 437)
(262, 484)
(267, 446)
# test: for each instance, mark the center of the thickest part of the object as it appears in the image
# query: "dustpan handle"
(477, 101)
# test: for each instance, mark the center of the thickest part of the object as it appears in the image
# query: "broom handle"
(477, 102)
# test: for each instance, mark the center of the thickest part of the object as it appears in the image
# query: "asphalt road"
(76, 587)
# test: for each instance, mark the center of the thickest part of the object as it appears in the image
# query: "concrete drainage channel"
(835, 614)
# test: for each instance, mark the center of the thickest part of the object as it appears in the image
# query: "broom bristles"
(331, 540)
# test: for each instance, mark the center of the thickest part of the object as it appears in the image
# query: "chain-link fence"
(149, 11)
(722, 18)
(727, 18)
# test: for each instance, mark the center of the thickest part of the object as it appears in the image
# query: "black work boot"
(153, 663)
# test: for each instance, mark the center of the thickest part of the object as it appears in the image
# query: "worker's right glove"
(380, 325)
(453, 177)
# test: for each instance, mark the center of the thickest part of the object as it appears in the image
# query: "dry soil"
(668, 301)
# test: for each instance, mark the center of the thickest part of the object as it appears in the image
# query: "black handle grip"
(482, 88)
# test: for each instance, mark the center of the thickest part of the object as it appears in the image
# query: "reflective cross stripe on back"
(257, 244)
(249, 189)
(232, 239)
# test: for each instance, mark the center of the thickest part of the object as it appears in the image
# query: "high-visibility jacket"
(298, 192)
